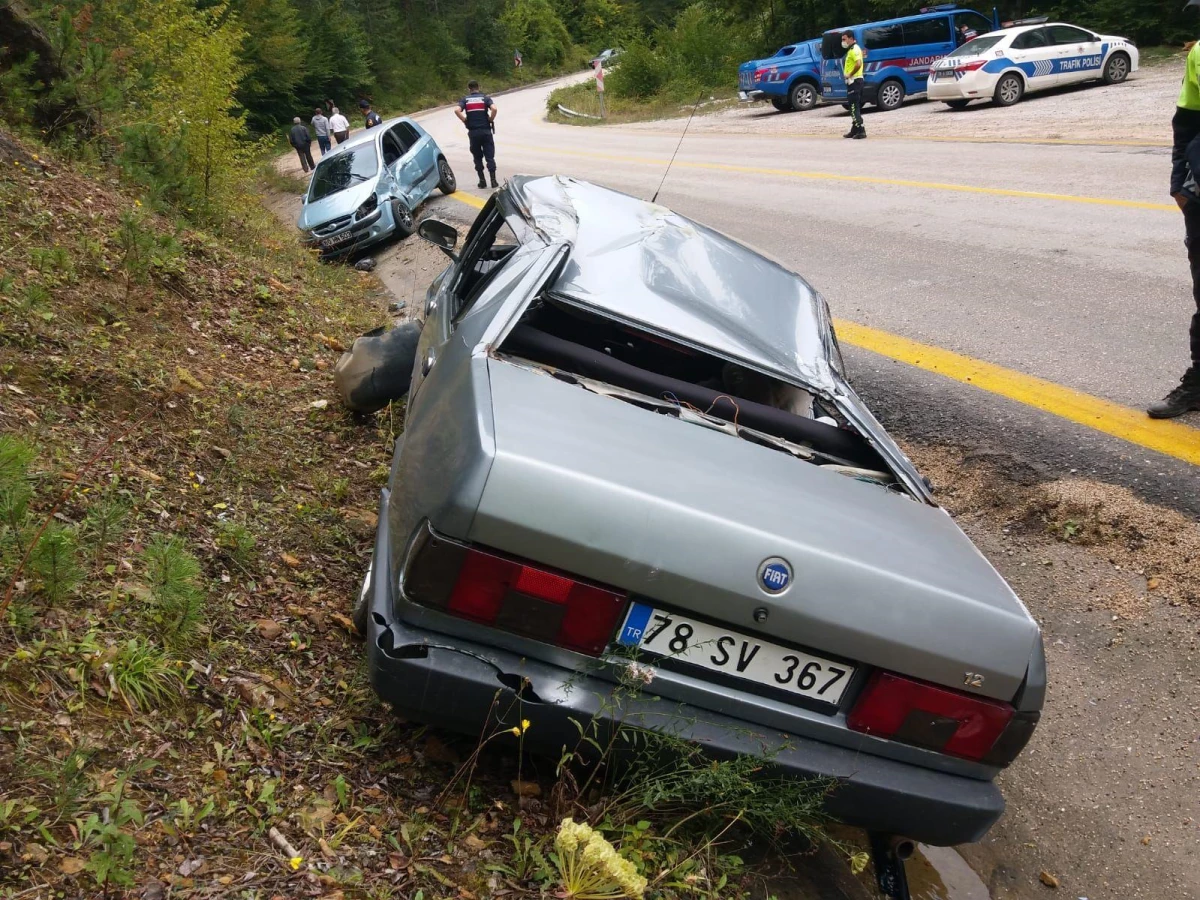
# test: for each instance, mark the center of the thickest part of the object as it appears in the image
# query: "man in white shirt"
(339, 125)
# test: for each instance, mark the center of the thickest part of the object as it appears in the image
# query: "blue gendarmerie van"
(897, 53)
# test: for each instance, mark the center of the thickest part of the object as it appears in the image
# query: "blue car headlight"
(369, 206)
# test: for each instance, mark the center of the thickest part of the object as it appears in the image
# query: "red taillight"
(549, 606)
(761, 74)
(914, 712)
(971, 66)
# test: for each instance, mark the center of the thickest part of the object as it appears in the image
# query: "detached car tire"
(956, 104)
(377, 368)
(1116, 69)
(802, 96)
(1009, 90)
(447, 183)
(890, 96)
(403, 218)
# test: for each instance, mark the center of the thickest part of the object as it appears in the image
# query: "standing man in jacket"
(320, 125)
(1185, 167)
(852, 68)
(299, 138)
(339, 125)
(478, 112)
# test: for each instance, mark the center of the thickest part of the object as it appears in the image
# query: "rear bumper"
(970, 87)
(471, 688)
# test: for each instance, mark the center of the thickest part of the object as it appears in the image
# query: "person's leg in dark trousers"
(489, 154)
(477, 154)
(854, 94)
(1186, 397)
(305, 158)
(1191, 221)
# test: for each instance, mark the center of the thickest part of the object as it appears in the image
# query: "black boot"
(861, 133)
(495, 183)
(852, 132)
(482, 183)
(1185, 398)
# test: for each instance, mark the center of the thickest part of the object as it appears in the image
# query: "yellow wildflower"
(591, 869)
(519, 730)
(295, 862)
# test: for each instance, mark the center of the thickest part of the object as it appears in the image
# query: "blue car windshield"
(342, 170)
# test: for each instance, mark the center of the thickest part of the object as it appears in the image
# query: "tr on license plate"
(722, 650)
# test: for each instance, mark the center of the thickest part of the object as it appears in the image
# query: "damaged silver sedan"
(630, 437)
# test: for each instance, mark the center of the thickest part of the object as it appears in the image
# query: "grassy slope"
(181, 379)
(582, 98)
(211, 365)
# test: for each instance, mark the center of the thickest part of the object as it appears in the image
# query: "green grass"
(1160, 55)
(673, 103)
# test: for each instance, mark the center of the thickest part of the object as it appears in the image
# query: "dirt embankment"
(1107, 797)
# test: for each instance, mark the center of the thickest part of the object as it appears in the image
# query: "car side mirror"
(441, 235)
(303, 199)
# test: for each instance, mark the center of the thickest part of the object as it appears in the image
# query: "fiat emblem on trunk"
(775, 575)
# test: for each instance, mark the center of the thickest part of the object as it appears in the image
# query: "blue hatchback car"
(791, 79)
(368, 188)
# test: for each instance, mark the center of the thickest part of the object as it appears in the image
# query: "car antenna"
(654, 199)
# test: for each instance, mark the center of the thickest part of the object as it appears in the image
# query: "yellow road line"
(469, 199)
(870, 179)
(923, 138)
(1170, 438)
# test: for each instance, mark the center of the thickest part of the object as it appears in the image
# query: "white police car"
(1003, 65)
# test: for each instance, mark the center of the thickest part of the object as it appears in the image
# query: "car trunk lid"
(687, 517)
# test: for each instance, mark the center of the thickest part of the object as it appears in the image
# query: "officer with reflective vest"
(478, 112)
(1185, 170)
(852, 68)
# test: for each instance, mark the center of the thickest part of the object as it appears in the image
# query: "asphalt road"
(1062, 262)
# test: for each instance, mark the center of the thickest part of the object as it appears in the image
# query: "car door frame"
(393, 168)
(421, 161)
(1085, 50)
(441, 309)
(922, 55)
(1039, 65)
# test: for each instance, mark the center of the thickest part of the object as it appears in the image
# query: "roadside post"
(600, 85)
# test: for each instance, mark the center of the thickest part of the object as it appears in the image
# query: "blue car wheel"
(446, 181)
(803, 96)
(403, 218)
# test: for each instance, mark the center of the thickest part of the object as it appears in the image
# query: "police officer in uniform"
(1185, 169)
(371, 117)
(852, 68)
(478, 112)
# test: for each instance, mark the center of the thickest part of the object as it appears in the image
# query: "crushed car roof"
(652, 267)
